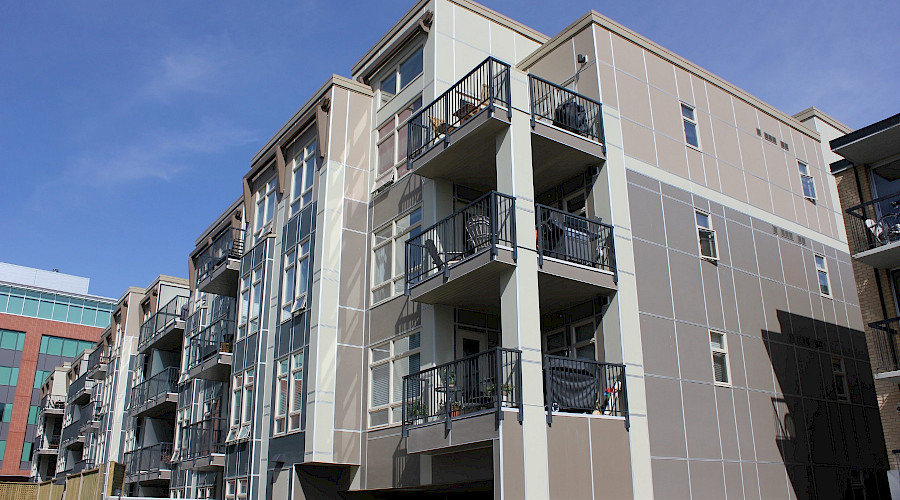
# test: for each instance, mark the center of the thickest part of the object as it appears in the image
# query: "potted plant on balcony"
(507, 389)
(455, 408)
(416, 410)
(451, 378)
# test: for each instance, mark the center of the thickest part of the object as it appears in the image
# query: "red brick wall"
(33, 328)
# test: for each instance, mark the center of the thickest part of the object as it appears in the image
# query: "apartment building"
(502, 264)
(49, 427)
(865, 165)
(46, 319)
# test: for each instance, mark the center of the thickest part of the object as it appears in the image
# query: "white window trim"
(292, 399)
(390, 360)
(303, 160)
(803, 167)
(264, 194)
(398, 243)
(823, 269)
(843, 374)
(689, 120)
(715, 350)
(394, 69)
(399, 126)
(282, 415)
(710, 230)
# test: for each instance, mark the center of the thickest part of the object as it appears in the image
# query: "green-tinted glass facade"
(59, 346)
(54, 306)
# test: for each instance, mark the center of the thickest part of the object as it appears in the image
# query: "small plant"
(416, 410)
(451, 378)
(455, 407)
(507, 389)
(489, 389)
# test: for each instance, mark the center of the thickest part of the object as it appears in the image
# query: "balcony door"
(576, 340)
(469, 342)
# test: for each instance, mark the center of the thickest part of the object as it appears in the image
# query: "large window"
(389, 254)
(706, 235)
(56, 307)
(809, 184)
(242, 408)
(719, 349)
(296, 396)
(304, 172)
(399, 75)
(392, 137)
(841, 391)
(690, 125)
(822, 275)
(282, 393)
(251, 301)
(295, 280)
(265, 206)
(575, 341)
(389, 363)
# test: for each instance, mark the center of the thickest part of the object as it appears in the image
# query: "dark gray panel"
(287, 449)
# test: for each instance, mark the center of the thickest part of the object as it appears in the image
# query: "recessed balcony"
(203, 447)
(149, 465)
(155, 396)
(210, 351)
(164, 329)
(886, 344)
(873, 229)
(453, 137)
(460, 260)
(53, 405)
(219, 265)
(80, 390)
(97, 363)
(567, 133)
(584, 386)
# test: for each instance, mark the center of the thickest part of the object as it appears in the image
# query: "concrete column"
(519, 294)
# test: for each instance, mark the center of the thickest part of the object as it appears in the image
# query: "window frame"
(393, 71)
(282, 387)
(713, 350)
(805, 175)
(397, 124)
(690, 120)
(397, 242)
(295, 260)
(390, 360)
(839, 370)
(710, 231)
(305, 162)
(295, 398)
(266, 200)
(822, 271)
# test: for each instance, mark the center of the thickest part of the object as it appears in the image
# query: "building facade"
(865, 165)
(46, 319)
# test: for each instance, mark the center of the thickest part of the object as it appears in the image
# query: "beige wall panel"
(356, 183)
(720, 104)
(638, 142)
(812, 215)
(646, 215)
(670, 479)
(704, 129)
(557, 66)
(503, 44)
(751, 481)
(358, 136)
(660, 74)
(683, 82)
(513, 459)
(783, 203)
(353, 270)
(664, 417)
(339, 126)
(768, 124)
(388, 465)
(666, 114)
(726, 144)
(733, 182)
(634, 101)
(466, 58)
(629, 57)
(347, 447)
(714, 314)
(758, 365)
(734, 482)
(671, 156)
(775, 299)
(393, 317)
(745, 116)
(710, 166)
(569, 477)
(611, 459)
(773, 481)
(349, 379)
(687, 287)
(602, 42)
(750, 308)
(742, 423)
(758, 189)
(695, 166)
(402, 196)
(763, 414)
(699, 93)
(780, 172)
(707, 480)
(766, 248)
(608, 86)
(652, 297)
(443, 73)
(355, 213)
(800, 210)
(352, 326)
(752, 155)
(470, 28)
(727, 428)
(693, 352)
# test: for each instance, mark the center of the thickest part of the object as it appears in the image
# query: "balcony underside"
(157, 478)
(563, 284)
(558, 155)
(97, 372)
(892, 376)
(469, 157)
(474, 282)
(76, 443)
(161, 405)
(49, 410)
(467, 430)
(223, 279)
(169, 339)
(82, 396)
(217, 367)
(48, 451)
(211, 462)
(882, 257)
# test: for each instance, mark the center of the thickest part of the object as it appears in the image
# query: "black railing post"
(514, 239)
(508, 93)
(625, 400)
(491, 86)
(404, 432)
(539, 213)
(493, 199)
(531, 99)
(498, 379)
(612, 254)
(548, 405)
(446, 118)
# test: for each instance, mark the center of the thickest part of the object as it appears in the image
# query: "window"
(822, 272)
(248, 408)
(230, 489)
(706, 235)
(265, 206)
(390, 362)
(251, 301)
(690, 125)
(389, 254)
(26, 451)
(282, 392)
(243, 488)
(574, 341)
(392, 137)
(840, 379)
(56, 307)
(295, 280)
(304, 172)
(296, 396)
(400, 75)
(237, 386)
(809, 185)
(719, 348)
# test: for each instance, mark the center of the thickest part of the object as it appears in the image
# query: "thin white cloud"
(189, 70)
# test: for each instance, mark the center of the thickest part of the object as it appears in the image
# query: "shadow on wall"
(410, 316)
(827, 424)
(411, 196)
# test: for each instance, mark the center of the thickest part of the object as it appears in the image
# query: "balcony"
(584, 386)
(80, 390)
(164, 329)
(873, 231)
(459, 261)
(567, 133)
(204, 444)
(47, 445)
(576, 256)
(53, 405)
(219, 265)
(97, 363)
(209, 351)
(151, 464)
(452, 138)
(155, 396)
(82, 465)
(886, 344)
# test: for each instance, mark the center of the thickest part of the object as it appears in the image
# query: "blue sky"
(125, 127)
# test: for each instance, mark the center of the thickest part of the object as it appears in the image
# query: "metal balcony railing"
(483, 382)
(49, 402)
(584, 386)
(160, 384)
(80, 386)
(205, 438)
(148, 460)
(228, 245)
(100, 355)
(50, 442)
(564, 236)
(886, 343)
(874, 223)
(211, 340)
(485, 87)
(159, 321)
(483, 224)
(565, 109)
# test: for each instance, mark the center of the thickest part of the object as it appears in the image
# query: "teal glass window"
(54, 346)
(26, 452)
(55, 307)
(89, 316)
(69, 348)
(45, 309)
(60, 311)
(7, 412)
(5, 375)
(2, 450)
(75, 313)
(8, 340)
(33, 413)
(15, 305)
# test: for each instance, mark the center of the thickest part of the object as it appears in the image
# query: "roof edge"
(814, 112)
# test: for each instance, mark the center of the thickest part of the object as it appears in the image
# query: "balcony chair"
(439, 126)
(478, 232)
